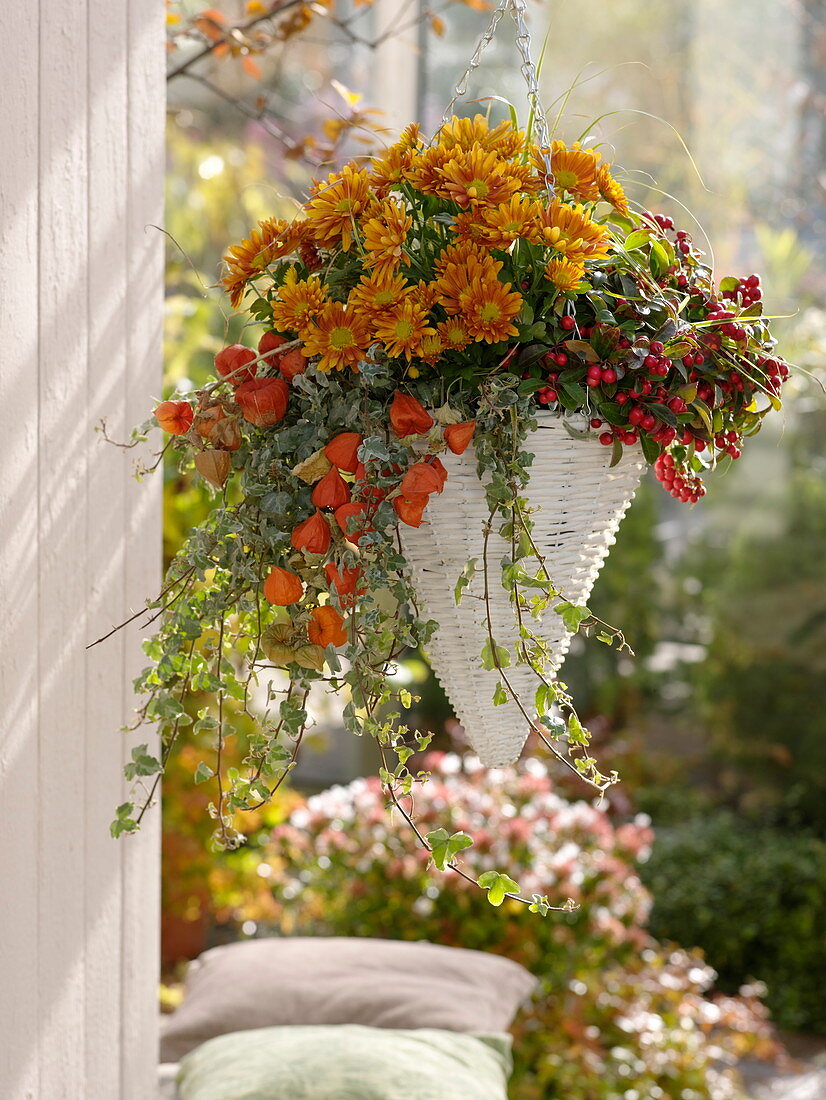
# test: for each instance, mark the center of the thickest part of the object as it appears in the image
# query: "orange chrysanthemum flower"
(456, 278)
(468, 228)
(378, 291)
(431, 349)
(272, 239)
(425, 294)
(340, 337)
(510, 221)
(488, 310)
(425, 171)
(464, 133)
(477, 178)
(299, 300)
(384, 234)
(574, 170)
(454, 334)
(610, 190)
(463, 253)
(565, 274)
(333, 210)
(402, 329)
(392, 166)
(570, 231)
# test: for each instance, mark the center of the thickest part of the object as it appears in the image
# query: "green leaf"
(650, 447)
(444, 848)
(494, 656)
(203, 772)
(638, 238)
(498, 886)
(500, 696)
(539, 904)
(464, 580)
(616, 453)
(124, 822)
(581, 347)
(572, 615)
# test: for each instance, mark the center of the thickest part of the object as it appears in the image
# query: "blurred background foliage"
(717, 726)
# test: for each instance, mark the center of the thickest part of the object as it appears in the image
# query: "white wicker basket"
(578, 504)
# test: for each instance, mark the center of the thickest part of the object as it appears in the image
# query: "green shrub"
(617, 1015)
(754, 899)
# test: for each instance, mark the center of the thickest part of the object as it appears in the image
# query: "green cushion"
(347, 1062)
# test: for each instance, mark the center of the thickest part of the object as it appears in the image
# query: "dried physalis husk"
(312, 469)
(275, 644)
(214, 467)
(310, 656)
(226, 434)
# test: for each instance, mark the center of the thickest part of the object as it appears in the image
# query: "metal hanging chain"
(527, 68)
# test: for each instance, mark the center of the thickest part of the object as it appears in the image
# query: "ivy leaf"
(124, 822)
(494, 656)
(539, 904)
(203, 772)
(497, 885)
(464, 580)
(572, 615)
(445, 847)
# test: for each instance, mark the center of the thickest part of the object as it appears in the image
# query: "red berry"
(621, 398)
(596, 422)
(656, 348)
(606, 439)
(567, 322)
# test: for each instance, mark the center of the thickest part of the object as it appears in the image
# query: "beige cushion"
(377, 983)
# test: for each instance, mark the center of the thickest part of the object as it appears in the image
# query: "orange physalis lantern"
(282, 587)
(233, 364)
(292, 362)
(439, 467)
(410, 508)
(344, 581)
(175, 417)
(458, 436)
(267, 346)
(422, 478)
(263, 401)
(342, 451)
(332, 491)
(343, 516)
(408, 416)
(326, 627)
(312, 535)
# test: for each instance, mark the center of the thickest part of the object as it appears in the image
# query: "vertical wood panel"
(62, 625)
(105, 527)
(80, 313)
(18, 556)
(141, 887)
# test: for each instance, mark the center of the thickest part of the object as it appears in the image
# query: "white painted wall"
(81, 171)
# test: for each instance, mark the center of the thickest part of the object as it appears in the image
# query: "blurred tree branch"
(264, 27)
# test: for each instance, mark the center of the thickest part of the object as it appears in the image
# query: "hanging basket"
(579, 502)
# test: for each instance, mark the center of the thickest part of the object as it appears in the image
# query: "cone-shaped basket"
(578, 504)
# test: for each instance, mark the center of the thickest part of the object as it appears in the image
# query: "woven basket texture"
(578, 504)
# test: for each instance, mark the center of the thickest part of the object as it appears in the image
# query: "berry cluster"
(677, 479)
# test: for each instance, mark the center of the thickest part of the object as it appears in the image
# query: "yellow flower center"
(565, 178)
(403, 330)
(455, 335)
(341, 338)
(477, 189)
(384, 297)
(490, 311)
(344, 206)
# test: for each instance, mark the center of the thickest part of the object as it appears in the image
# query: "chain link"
(528, 69)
